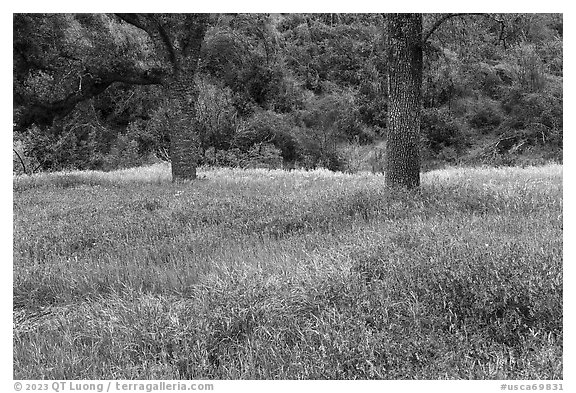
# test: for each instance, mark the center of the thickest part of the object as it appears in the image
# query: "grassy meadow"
(258, 274)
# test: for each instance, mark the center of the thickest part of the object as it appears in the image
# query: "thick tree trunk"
(181, 95)
(404, 35)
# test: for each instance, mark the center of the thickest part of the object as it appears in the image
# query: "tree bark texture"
(404, 36)
(182, 94)
(184, 141)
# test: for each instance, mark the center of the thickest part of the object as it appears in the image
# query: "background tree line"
(103, 91)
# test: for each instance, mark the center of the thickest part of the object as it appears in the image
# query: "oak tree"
(178, 37)
(405, 41)
(61, 60)
(404, 46)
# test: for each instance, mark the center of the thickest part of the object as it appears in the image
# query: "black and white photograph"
(287, 196)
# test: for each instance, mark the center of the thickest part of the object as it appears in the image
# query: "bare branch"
(21, 161)
(445, 17)
(501, 37)
(435, 26)
(439, 22)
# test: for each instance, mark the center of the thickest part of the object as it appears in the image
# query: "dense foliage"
(284, 90)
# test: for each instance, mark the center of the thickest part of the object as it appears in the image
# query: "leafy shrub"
(262, 156)
(123, 154)
(331, 160)
(487, 79)
(216, 116)
(318, 150)
(540, 113)
(485, 115)
(260, 128)
(530, 69)
(64, 145)
(363, 158)
(268, 127)
(440, 130)
(222, 158)
(337, 116)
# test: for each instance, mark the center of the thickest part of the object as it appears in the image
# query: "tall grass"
(284, 275)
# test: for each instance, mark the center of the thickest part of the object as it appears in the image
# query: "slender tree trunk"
(404, 35)
(181, 94)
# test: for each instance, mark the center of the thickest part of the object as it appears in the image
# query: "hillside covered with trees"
(109, 91)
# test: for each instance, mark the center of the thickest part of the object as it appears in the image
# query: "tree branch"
(150, 24)
(21, 161)
(501, 37)
(134, 20)
(168, 45)
(35, 111)
(426, 35)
